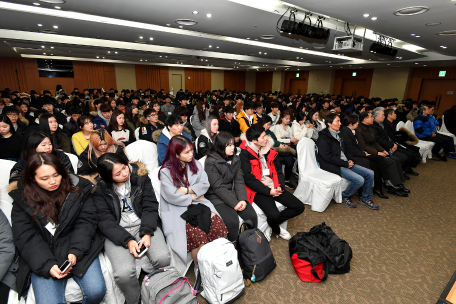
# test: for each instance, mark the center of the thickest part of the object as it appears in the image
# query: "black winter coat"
(145, 205)
(231, 127)
(329, 151)
(450, 121)
(220, 175)
(352, 145)
(76, 233)
(146, 130)
(381, 136)
(18, 168)
(88, 168)
(70, 128)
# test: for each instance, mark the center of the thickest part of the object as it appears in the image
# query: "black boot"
(397, 192)
(404, 189)
(411, 172)
(380, 193)
(388, 183)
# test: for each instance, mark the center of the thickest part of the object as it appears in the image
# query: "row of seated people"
(58, 215)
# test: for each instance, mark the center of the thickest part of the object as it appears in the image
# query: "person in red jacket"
(264, 183)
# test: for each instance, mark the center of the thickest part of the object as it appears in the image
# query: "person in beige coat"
(300, 130)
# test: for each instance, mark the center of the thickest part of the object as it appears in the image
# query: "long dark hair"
(222, 140)
(48, 203)
(44, 127)
(5, 119)
(106, 164)
(310, 116)
(32, 141)
(176, 146)
(201, 113)
(113, 125)
(129, 114)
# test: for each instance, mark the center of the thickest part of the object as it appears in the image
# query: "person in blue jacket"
(173, 127)
(103, 117)
(426, 127)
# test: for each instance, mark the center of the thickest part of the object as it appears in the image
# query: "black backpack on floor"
(338, 252)
(255, 254)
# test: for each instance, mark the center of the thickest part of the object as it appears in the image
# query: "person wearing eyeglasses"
(150, 123)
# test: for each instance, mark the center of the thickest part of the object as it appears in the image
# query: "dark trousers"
(441, 141)
(4, 293)
(294, 207)
(389, 168)
(287, 160)
(231, 219)
(405, 158)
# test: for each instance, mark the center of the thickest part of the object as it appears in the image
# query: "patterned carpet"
(403, 253)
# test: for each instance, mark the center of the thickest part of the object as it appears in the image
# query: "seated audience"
(38, 142)
(426, 129)
(184, 114)
(173, 127)
(72, 126)
(80, 139)
(282, 130)
(54, 220)
(199, 117)
(227, 123)
(264, 180)
(101, 121)
(48, 105)
(100, 142)
(119, 130)
(10, 141)
(205, 141)
(299, 129)
(167, 109)
(335, 157)
(49, 126)
(156, 106)
(246, 118)
(132, 116)
(312, 119)
(449, 118)
(150, 124)
(183, 186)
(227, 190)
(20, 126)
(128, 189)
(367, 142)
(258, 107)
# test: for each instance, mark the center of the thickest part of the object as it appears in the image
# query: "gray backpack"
(167, 286)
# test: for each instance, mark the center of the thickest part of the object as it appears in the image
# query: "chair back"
(400, 125)
(6, 202)
(202, 160)
(306, 151)
(74, 161)
(137, 133)
(145, 152)
(444, 128)
(409, 127)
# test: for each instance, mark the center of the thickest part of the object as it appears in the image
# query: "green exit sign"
(354, 74)
(297, 75)
(442, 73)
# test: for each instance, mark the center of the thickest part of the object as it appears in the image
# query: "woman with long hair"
(131, 116)
(10, 141)
(50, 127)
(312, 119)
(199, 117)
(183, 186)
(299, 129)
(227, 190)
(282, 130)
(54, 223)
(81, 138)
(207, 136)
(38, 142)
(100, 142)
(119, 130)
(127, 187)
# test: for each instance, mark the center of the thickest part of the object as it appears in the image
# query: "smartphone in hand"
(142, 250)
(65, 266)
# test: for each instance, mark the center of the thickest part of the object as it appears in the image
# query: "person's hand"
(56, 273)
(72, 259)
(367, 154)
(350, 163)
(395, 147)
(294, 140)
(197, 198)
(240, 206)
(434, 135)
(133, 247)
(274, 192)
(236, 139)
(145, 240)
(310, 126)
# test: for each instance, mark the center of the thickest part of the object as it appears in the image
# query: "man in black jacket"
(334, 157)
(381, 136)
(71, 126)
(227, 123)
(46, 104)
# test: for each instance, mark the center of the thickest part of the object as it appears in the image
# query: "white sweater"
(300, 131)
(283, 135)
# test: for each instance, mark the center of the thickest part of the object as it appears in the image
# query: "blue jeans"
(358, 176)
(92, 284)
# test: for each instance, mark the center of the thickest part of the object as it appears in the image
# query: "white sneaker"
(284, 234)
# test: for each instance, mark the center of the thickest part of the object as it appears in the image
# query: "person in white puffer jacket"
(299, 129)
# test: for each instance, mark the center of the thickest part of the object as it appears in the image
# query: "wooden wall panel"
(347, 74)
(152, 77)
(289, 76)
(109, 74)
(31, 74)
(49, 83)
(200, 79)
(164, 79)
(420, 74)
(9, 78)
(263, 82)
(235, 80)
(94, 75)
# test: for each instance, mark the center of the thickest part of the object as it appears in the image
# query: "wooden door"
(440, 91)
(353, 87)
(298, 86)
(176, 82)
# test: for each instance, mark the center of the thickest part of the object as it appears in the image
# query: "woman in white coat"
(299, 129)
(282, 130)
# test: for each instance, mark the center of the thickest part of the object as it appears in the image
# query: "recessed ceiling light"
(412, 10)
(36, 3)
(412, 34)
(424, 65)
(42, 46)
(388, 64)
(167, 24)
(151, 38)
(433, 23)
(103, 58)
(146, 60)
(39, 24)
(416, 62)
(209, 15)
(52, 54)
(366, 15)
(180, 26)
(210, 46)
(374, 18)
(248, 38)
(330, 66)
(109, 52)
(447, 33)
(259, 53)
(265, 53)
(57, 7)
(160, 56)
(217, 47)
(115, 52)
(140, 60)
(267, 37)
(206, 59)
(140, 37)
(55, 26)
(44, 53)
(52, 47)
(195, 12)
(98, 56)
(443, 47)
(186, 22)
(417, 36)
(53, 1)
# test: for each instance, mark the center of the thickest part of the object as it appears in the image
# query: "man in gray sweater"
(167, 109)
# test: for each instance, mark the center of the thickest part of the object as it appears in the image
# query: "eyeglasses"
(11, 115)
(152, 115)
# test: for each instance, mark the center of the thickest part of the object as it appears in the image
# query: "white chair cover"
(262, 220)
(316, 187)
(6, 202)
(425, 146)
(74, 161)
(400, 125)
(137, 133)
(145, 152)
